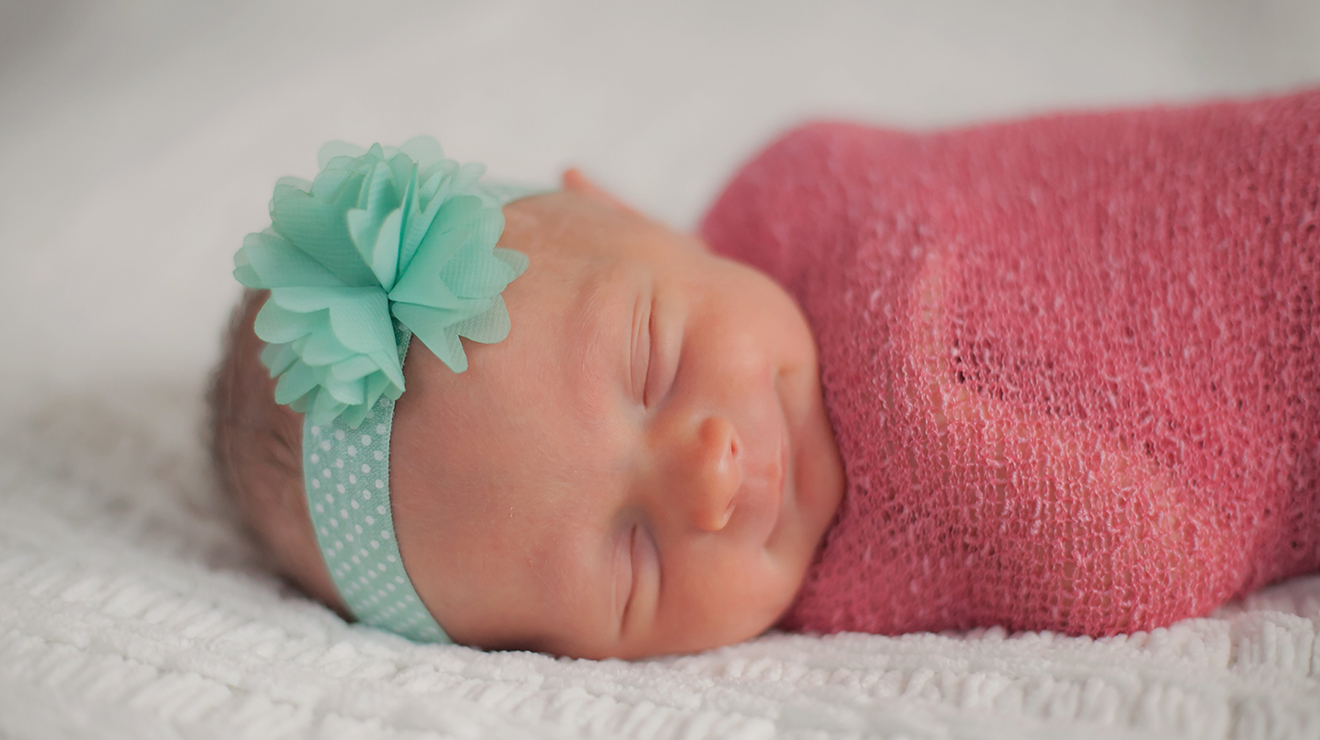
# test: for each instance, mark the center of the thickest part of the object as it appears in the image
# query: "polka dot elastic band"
(346, 472)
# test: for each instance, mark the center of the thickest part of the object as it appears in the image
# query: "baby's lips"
(779, 488)
(771, 490)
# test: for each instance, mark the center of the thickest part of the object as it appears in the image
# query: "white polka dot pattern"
(355, 528)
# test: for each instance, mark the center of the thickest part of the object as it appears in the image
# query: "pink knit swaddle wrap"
(1072, 363)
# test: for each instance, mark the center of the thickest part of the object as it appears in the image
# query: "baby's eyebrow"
(597, 319)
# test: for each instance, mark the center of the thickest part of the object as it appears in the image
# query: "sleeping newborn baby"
(643, 466)
(1058, 374)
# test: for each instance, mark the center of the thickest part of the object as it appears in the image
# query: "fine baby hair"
(383, 245)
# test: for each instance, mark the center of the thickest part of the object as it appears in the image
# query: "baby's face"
(644, 466)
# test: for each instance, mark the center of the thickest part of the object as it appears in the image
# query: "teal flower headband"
(379, 233)
(384, 244)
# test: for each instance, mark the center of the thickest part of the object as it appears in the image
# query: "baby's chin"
(814, 472)
(808, 509)
(818, 471)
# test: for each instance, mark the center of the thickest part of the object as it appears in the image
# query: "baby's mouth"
(779, 480)
(776, 490)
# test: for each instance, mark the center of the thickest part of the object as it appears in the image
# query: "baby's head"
(643, 466)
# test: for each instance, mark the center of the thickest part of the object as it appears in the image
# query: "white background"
(139, 141)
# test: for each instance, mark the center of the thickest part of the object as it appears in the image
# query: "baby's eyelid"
(666, 343)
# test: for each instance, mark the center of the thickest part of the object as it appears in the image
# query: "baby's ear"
(576, 182)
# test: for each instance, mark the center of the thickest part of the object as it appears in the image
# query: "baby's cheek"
(747, 594)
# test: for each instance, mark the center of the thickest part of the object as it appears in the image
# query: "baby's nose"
(715, 474)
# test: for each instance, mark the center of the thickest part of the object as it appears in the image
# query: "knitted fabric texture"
(1072, 363)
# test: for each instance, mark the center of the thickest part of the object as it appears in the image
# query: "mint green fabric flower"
(382, 235)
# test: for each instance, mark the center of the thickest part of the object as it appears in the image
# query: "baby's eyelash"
(632, 583)
(650, 357)
(641, 351)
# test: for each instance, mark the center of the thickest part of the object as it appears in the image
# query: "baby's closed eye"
(627, 575)
(642, 347)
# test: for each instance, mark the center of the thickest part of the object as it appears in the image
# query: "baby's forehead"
(567, 227)
(571, 283)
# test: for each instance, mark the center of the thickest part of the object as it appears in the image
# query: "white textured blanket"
(132, 606)
(139, 141)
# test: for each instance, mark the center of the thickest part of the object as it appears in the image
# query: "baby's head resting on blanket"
(644, 465)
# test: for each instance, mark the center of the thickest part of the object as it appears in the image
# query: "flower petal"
(244, 273)
(377, 196)
(295, 383)
(277, 325)
(347, 392)
(319, 229)
(402, 170)
(275, 263)
(476, 272)
(323, 348)
(517, 261)
(469, 213)
(467, 176)
(296, 183)
(324, 408)
(385, 253)
(390, 364)
(424, 150)
(432, 179)
(420, 282)
(451, 183)
(277, 358)
(333, 149)
(421, 211)
(435, 328)
(377, 386)
(334, 184)
(352, 416)
(359, 317)
(489, 327)
(357, 366)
